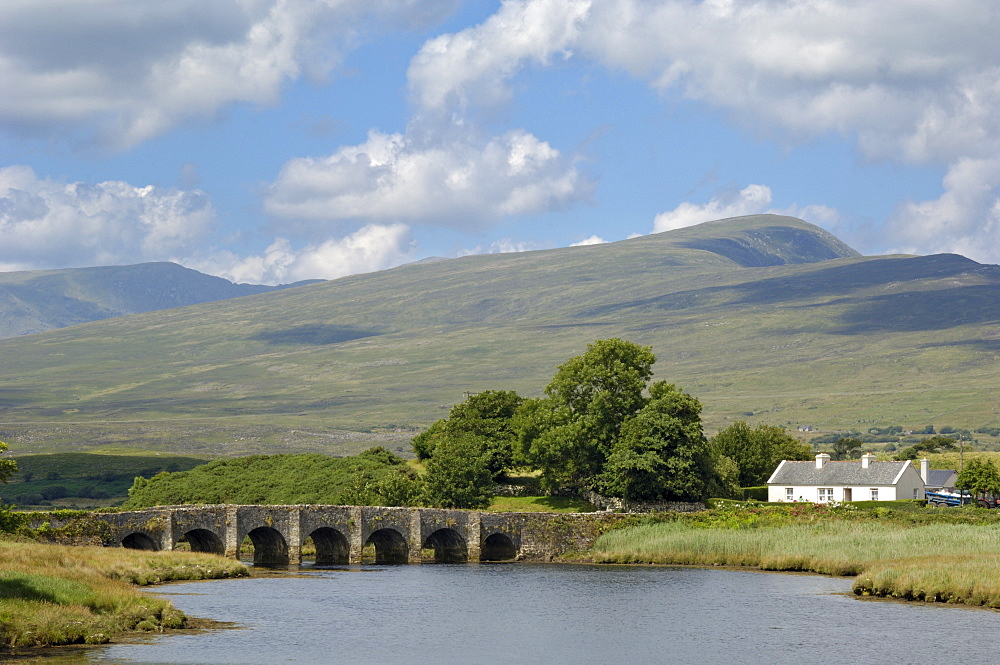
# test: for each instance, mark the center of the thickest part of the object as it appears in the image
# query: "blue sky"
(278, 140)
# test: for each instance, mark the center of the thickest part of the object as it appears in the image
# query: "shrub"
(458, 475)
(276, 479)
(755, 493)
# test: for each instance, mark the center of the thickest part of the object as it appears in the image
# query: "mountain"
(764, 318)
(40, 300)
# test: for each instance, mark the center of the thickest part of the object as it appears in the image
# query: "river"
(467, 614)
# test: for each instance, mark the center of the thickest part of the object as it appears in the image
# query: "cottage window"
(789, 494)
(874, 494)
(825, 494)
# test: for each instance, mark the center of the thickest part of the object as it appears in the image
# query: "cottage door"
(847, 494)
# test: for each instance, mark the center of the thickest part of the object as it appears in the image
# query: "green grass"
(370, 359)
(539, 504)
(54, 594)
(42, 588)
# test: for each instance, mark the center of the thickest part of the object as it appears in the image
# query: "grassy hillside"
(763, 318)
(35, 301)
(83, 480)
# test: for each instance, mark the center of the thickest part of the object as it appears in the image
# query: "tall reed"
(957, 563)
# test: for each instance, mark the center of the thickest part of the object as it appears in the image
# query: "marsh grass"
(53, 594)
(964, 578)
(950, 562)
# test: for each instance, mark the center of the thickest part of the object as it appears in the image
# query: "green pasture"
(367, 360)
(84, 479)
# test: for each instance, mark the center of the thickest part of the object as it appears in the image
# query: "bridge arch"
(203, 540)
(269, 546)
(332, 546)
(449, 546)
(138, 540)
(390, 546)
(498, 547)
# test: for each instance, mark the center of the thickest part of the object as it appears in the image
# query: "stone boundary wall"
(611, 503)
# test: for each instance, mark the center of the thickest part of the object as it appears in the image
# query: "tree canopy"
(458, 475)
(487, 417)
(661, 453)
(979, 477)
(846, 448)
(757, 451)
(933, 444)
(8, 467)
(569, 433)
(601, 425)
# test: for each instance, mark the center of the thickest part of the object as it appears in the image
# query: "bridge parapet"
(340, 533)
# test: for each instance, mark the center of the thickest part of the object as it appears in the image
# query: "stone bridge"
(340, 534)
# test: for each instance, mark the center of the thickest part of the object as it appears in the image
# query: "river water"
(467, 614)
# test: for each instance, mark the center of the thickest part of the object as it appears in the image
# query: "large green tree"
(757, 451)
(846, 448)
(979, 477)
(10, 521)
(487, 416)
(661, 453)
(8, 467)
(458, 475)
(932, 444)
(569, 433)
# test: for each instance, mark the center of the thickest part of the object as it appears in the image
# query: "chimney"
(822, 459)
(866, 460)
(925, 469)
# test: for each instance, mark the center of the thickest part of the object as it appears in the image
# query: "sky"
(271, 141)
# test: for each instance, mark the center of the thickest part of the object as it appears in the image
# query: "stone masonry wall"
(279, 531)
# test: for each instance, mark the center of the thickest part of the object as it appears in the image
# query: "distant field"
(84, 480)
(743, 314)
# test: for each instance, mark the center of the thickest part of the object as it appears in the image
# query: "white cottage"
(824, 481)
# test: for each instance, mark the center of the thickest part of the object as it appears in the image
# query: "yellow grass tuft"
(55, 594)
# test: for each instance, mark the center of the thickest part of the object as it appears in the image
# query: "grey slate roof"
(938, 477)
(836, 473)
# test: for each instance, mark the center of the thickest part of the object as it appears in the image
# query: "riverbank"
(56, 594)
(911, 553)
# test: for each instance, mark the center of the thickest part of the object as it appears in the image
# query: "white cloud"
(131, 71)
(502, 246)
(48, 224)
(592, 240)
(458, 180)
(965, 219)
(911, 79)
(472, 66)
(750, 200)
(369, 249)
(44, 223)
(908, 81)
